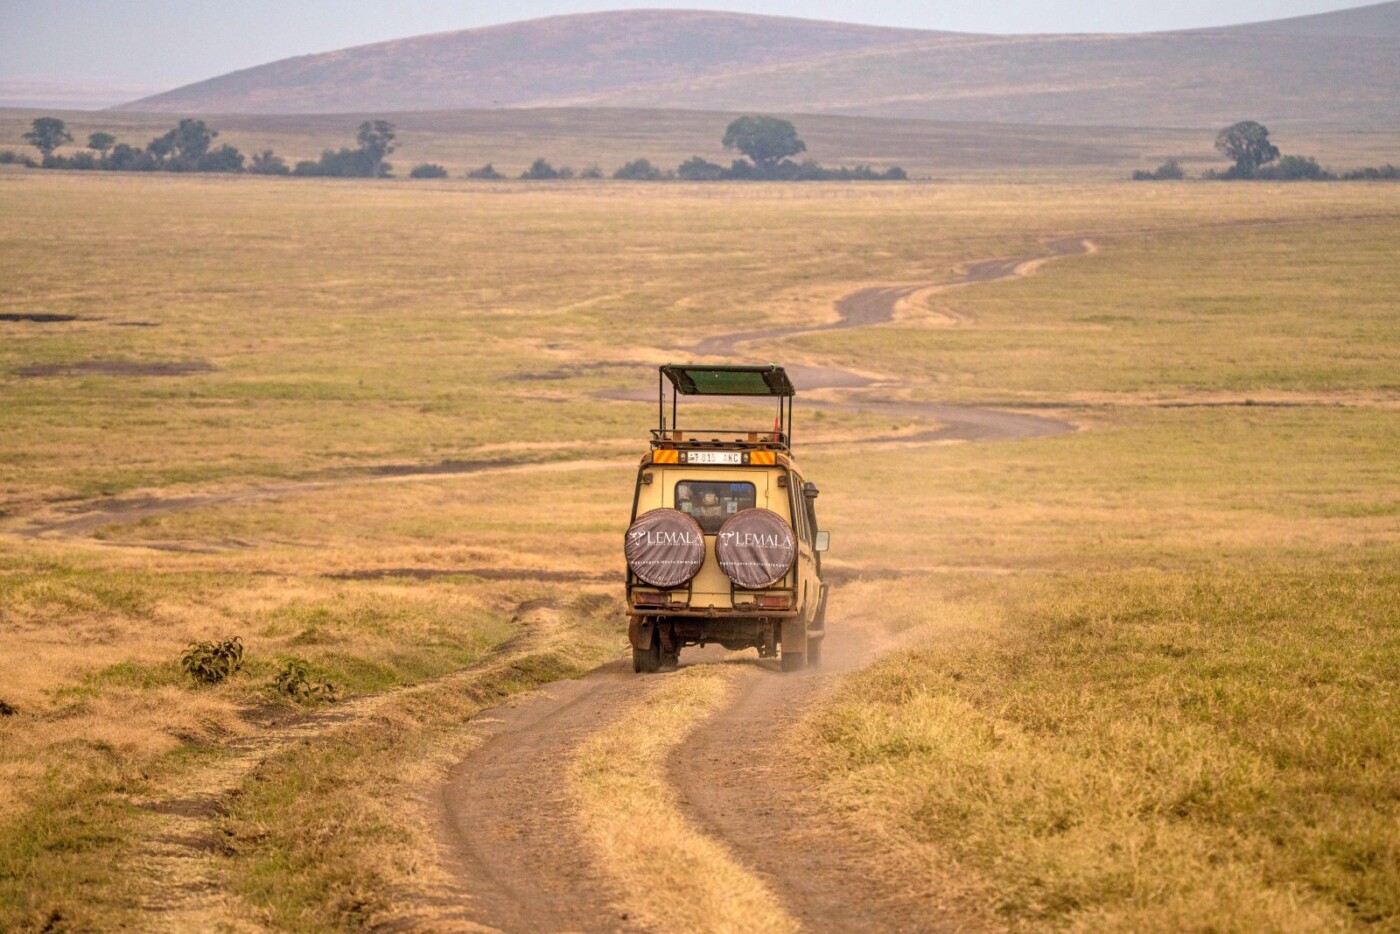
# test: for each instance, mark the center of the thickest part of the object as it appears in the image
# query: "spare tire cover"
(755, 548)
(665, 548)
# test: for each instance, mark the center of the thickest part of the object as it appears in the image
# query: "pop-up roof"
(769, 382)
(696, 380)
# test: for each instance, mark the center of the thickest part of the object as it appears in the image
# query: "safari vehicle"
(723, 545)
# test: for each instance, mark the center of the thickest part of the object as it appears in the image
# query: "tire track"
(508, 832)
(866, 307)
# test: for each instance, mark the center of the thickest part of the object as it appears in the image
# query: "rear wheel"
(647, 661)
(793, 661)
(814, 652)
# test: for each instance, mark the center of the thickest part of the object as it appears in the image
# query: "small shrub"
(487, 171)
(428, 170)
(224, 159)
(6, 710)
(1386, 171)
(1293, 169)
(1168, 171)
(294, 680)
(638, 170)
(696, 169)
(213, 662)
(268, 162)
(126, 158)
(591, 172)
(540, 170)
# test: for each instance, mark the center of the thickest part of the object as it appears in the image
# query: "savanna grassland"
(1149, 669)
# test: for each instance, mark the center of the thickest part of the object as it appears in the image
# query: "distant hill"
(525, 64)
(1334, 69)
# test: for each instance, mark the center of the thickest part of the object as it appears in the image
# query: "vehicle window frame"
(797, 505)
(676, 500)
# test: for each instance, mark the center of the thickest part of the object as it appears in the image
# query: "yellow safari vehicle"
(723, 545)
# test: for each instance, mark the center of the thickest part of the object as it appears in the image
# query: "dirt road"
(509, 832)
(862, 308)
(507, 821)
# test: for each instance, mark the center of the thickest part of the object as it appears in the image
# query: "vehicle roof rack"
(707, 380)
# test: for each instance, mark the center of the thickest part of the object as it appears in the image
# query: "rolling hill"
(1335, 69)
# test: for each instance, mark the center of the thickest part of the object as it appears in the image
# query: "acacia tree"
(376, 139)
(47, 134)
(1248, 144)
(101, 141)
(765, 140)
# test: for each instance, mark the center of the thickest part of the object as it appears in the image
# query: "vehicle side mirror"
(823, 541)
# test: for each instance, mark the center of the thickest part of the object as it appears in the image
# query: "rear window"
(711, 502)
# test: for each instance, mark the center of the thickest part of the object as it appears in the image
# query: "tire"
(671, 660)
(814, 652)
(793, 661)
(647, 661)
(755, 548)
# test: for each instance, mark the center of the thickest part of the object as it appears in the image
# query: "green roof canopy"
(701, 380)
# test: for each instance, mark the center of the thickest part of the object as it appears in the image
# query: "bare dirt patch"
(38, 318)
(117, 368)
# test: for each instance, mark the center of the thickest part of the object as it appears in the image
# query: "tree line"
(1255, 156)
(766, 143)
(189, 147)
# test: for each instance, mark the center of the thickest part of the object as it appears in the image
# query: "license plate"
(714, 457)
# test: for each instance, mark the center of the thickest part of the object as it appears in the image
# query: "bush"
(213, 662)
(487, 171)
(428, 170)
(696, 169)
(591, 172)
(268, 163)
(82, 161)
(1385, 171)
(10, 157)
(224, 159)
(1294, 168)
(638, 170)
(1168, 171)
(6, 710)
(344, 163)
(126, 158)
(295, 680)
(540, 170)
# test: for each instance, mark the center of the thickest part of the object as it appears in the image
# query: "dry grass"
(638, 834)
(357, 326)
(1205, 750)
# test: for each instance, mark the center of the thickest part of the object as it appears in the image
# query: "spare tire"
(755, 548)
(665, 548)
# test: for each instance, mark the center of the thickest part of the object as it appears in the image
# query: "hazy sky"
(119, 49)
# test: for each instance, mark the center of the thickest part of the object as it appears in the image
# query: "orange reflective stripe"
(763, 457)
(665, 457)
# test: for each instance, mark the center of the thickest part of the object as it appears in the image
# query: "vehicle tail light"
(775, 602)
